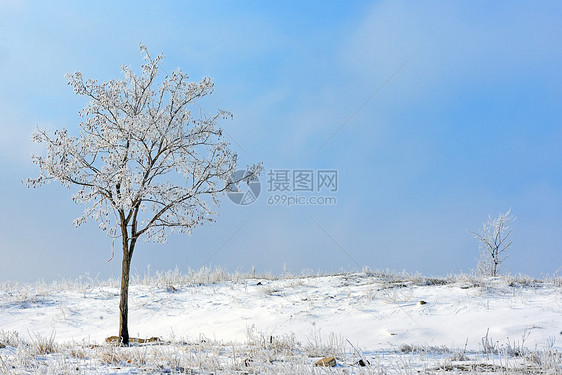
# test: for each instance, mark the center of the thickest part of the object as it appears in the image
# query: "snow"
(375, 312)
(364, 309)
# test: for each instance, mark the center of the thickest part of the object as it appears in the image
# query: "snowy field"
(213, 322)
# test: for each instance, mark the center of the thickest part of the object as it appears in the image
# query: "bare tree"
(494, 243)
(143, 163)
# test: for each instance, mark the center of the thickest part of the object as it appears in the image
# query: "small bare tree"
(494, 243)
(142, 162)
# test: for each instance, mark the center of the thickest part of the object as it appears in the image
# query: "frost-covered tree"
(494, 243)
(142, 162)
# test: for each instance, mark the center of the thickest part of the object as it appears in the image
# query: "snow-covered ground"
(396, 322)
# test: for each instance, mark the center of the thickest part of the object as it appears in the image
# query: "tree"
(494, 243)
(142, 163)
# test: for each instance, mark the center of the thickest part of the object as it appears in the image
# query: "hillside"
(394, 321)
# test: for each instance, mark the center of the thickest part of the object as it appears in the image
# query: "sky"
(434, 115)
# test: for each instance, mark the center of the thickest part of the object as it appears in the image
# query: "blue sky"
(469, 127)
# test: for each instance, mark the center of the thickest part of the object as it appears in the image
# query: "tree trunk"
(128, 249)
(124, 302)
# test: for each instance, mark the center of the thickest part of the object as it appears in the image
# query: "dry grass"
(262, 353)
